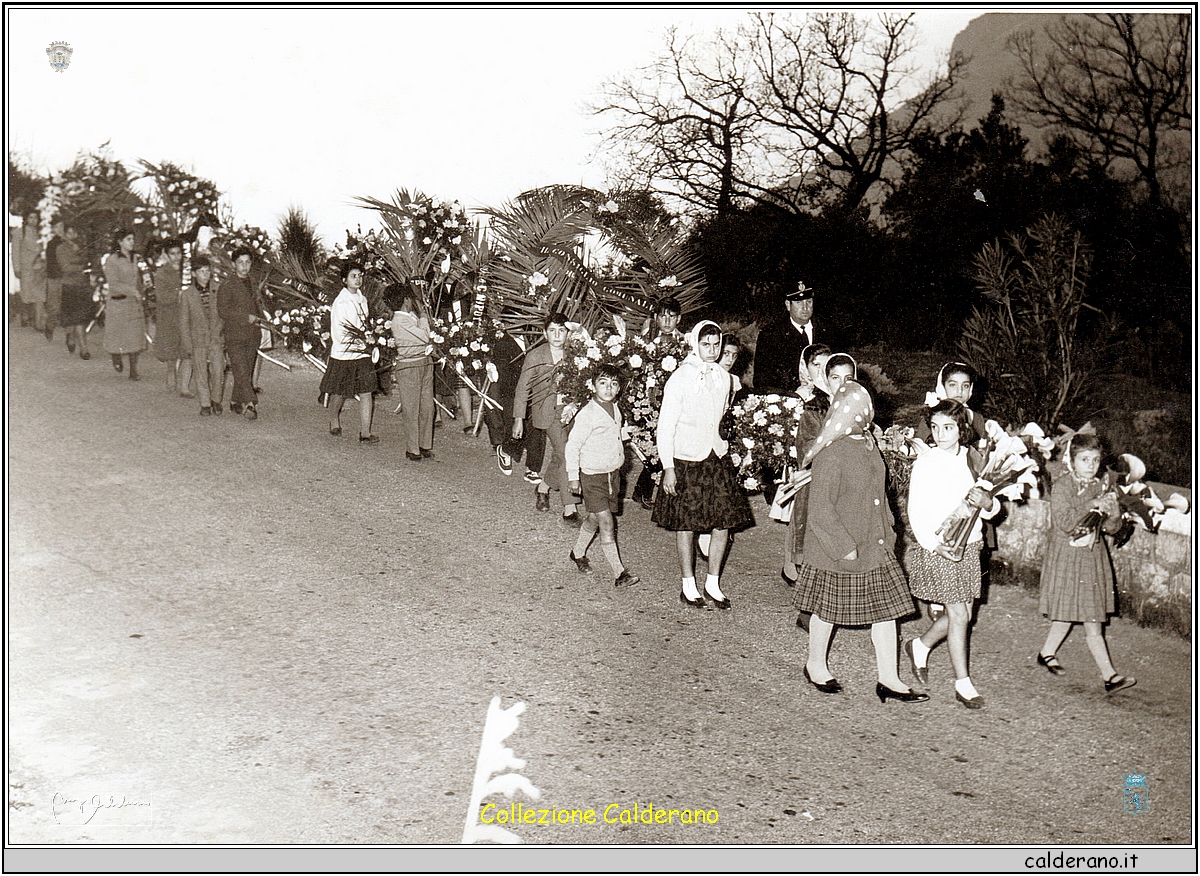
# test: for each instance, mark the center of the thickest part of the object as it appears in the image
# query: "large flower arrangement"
(95, 195)
(249, 237)
(764, 442)
(651, 364)
(180, 199)
(304, 329)
(466, 346)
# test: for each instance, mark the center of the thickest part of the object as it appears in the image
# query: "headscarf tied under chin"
(850, 413)
(939, 389)
(709, 373)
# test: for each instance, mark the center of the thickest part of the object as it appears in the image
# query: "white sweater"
(349, 309)
(594, 445)
(690, 415)
(939, 482)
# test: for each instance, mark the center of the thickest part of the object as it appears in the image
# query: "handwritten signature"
(89, 806)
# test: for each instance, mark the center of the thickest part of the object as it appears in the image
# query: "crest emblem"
(1136, 795)
(60, 55)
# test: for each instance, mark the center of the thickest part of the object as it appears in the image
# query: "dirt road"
(257, 633)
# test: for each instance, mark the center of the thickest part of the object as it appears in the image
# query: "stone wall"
(1153, 571)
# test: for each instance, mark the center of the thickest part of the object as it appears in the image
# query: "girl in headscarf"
(700, 490)
(955, 381)
(847, 572)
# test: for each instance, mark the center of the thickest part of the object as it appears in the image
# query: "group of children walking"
(587, 453)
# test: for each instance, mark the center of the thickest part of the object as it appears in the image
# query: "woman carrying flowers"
(350, 371)
(700, 491)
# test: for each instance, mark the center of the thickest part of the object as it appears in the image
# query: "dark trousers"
(535, 448)
(499, 425)
(241, 362)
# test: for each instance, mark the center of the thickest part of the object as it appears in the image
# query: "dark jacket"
(235, 304)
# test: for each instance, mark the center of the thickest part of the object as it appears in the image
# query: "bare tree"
(1114, 82)
(837, 91)
(686, 127)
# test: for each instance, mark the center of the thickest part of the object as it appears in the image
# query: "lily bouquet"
(1007, 471)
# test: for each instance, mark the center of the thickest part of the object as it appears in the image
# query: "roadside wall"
(1153, 571)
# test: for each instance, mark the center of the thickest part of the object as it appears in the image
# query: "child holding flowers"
(1077, 578)
(941, 477)
(595, 453)
(536, 396)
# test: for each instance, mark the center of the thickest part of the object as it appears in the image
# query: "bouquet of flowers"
(376, 339)
(248, 237)
(764, 428)
(366, 249)
(1007, 470)
(466, 346)
(583, 354)
(304, 328)
(651, 364)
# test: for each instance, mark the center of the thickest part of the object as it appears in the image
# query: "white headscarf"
(710, 374)
(939, 389)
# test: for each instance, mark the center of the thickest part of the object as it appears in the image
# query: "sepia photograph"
(671, 437)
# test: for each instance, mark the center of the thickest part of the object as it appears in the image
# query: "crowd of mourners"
(840, 553)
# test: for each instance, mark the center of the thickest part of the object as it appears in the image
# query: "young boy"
(536, 398)
(595, 453)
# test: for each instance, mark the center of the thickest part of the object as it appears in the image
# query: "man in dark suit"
(777, 352)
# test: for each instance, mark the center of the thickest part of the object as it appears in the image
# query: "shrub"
(1027, 336)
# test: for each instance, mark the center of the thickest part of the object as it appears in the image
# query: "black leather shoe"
(1119, 682)
(790, 582)
(802, 620)
(833, 686)
(414, 457)
(885, 693)
(698, 602)
(335, 431)
(573, 519)
(426, 453)
(367, 439)
(723, 604)
(1051, 664)
(216, 406)
(920, 673)
(541, 501)
(976, 702)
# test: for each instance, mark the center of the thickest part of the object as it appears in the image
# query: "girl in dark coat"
(847, 573)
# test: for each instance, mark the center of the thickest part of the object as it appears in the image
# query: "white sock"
(703, 540)
(920, 652)
(712, 586)
(689, 588)
(964, 687)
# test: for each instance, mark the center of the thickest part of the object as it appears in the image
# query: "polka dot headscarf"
(850, 413)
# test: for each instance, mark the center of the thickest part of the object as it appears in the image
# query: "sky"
(312, 107)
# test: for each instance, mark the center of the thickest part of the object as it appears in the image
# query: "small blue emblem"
(1135, 799)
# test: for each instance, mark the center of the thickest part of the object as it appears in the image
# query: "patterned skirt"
(934, 578)
(853, 599)
(1077, 583)
(707, 497)
(349, 377)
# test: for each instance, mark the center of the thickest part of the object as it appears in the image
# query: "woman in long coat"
(124, 318)
(847, 573)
